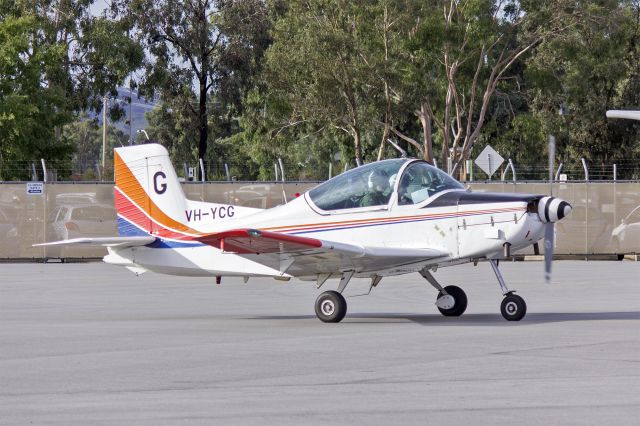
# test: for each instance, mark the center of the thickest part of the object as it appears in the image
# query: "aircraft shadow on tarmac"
(469, 319)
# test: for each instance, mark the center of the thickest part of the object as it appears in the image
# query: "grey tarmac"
(92, 344)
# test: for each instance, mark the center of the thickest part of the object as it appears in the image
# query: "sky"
(99, 6)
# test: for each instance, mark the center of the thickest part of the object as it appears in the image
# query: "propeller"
(549, 230)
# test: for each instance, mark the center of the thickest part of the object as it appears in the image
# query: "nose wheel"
(513, 307)
(331, 306)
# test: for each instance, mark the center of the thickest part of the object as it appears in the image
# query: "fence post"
(284, 195)
(615, 172)
(330, 169)
(281, 168)
(513, 170)
(586, 171)
(44, 208)
(226, 170)
(202, 176)
(44, 169)
(558, 171)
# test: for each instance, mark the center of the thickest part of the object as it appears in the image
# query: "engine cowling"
(551, 209)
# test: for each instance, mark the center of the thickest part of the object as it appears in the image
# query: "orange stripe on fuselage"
(387, 220)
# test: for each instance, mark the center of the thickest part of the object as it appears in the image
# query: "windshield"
(421, 180)
(366, 186)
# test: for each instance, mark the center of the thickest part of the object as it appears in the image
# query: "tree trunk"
(357, 144)
(427, 139)
(383, 142)
(203, 127)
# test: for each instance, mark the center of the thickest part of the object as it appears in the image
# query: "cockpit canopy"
(375, 184)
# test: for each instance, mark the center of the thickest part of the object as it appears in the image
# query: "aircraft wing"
(119, 242)
(304, 256)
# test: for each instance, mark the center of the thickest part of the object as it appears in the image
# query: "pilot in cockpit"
(378, 189)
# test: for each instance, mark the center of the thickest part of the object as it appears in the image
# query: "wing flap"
(303, 256)
(120, 242)
(245, 241)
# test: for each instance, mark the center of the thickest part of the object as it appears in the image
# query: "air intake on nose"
(551, 209)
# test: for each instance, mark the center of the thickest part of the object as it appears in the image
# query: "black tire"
(331, 307)
(459, 304)
(513, 307)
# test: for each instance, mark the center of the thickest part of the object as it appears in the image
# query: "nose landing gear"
(513, 307)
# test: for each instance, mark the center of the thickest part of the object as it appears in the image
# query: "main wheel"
(513, 307)
(331, 306)
(450, 308)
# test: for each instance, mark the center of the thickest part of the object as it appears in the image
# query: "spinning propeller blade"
(548, 250)
(549, 228)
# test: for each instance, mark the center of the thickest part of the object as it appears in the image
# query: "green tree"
(205, 50)
(56, 60)
(29, 110)
(318, 69)
(595, 67)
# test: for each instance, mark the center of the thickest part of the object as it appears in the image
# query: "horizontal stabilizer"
(103, 241)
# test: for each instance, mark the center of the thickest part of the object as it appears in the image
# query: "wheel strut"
(503, 285)
(513, 307)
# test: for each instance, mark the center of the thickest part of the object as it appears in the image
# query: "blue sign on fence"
(35, 188)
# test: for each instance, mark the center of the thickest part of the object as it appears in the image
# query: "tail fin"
(150, 200)
(148, 195)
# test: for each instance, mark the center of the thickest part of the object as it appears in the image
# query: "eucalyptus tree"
(318, 66)
(56, 59)
(595, 67)
(461, 51)
(201, 53)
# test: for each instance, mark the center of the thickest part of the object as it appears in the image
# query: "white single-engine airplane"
(385, 218)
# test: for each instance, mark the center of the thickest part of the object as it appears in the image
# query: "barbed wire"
(221, 171)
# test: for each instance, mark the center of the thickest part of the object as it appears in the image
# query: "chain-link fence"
(221, 170)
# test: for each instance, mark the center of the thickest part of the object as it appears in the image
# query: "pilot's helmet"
(392, 180)
(378, 180)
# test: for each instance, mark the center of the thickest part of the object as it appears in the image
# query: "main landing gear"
(330, 305)
(452, 301)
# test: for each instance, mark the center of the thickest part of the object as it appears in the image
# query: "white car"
(80, 220)
(626, 236)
